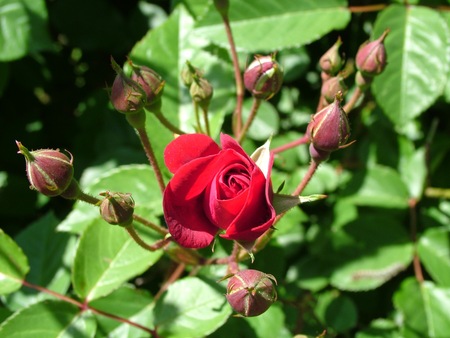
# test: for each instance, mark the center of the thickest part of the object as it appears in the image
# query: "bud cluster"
(200, 89)
(117, 208)
(130, 95)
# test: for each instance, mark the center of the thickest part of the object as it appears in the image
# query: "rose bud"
(150, 81)
(49, 171)
(329, 129)
(201, 92)
(371, 56)
(263, 77)
(188, 72)
(331, 87)
(251, 292)
(331, 62)
(127, 96)
(117, 208)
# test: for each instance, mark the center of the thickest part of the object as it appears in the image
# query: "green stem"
(145, 140)
(205, 118)
(197, 118)
(150, 225)
(237, 115)
(166, 123)
(251, 117)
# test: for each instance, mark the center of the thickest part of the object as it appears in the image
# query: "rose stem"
(309, 174)
(302, 140)
(237, 115)
(137, 121)
(205, 118)
(166, 123)
(233, 259)
(157, 245)
(85, 306)
(197, 118)
(253, 111)
(413, 227)
(172, 278)
(351, 103)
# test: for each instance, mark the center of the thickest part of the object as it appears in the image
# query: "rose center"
(233, 182)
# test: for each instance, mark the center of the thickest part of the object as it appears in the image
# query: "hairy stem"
(157, 245)
(302, 140)
(351, 103)
(166, 123)
(251, 117)
(309, 174)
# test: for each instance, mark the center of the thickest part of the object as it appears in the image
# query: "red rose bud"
(127, 96)
(263, 77)
(251, 292)
(329, 129)
(331, 87)
(371, 56)
(331, 62)
(49, 171)
(150, 81)
(117, 208)
(201, 92)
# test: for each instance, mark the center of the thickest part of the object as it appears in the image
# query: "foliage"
(370, 260)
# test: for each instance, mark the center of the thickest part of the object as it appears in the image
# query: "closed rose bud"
(150, 81)
(318, 155)
(117, 208)
(332, 86)
(263, 77)
(371, 56)
(127, 96)
(251, 292)
(188, 72)
(201, 92)
(49, 171)
(329, 129)
(331, 62)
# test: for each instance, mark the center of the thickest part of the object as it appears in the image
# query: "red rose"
(215, 189)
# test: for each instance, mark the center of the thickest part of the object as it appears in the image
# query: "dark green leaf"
(106, 257)
(434, 253)
(15, 31)
(49, 319)
(337, 311)
(191, 308)
(13, 265)
(275, 25)
(418, 61)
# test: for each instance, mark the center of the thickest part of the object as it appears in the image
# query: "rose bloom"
(216, 190)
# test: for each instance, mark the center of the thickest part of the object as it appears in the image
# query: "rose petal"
(230, 143)
(188, 147)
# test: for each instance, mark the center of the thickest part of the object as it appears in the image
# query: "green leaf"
(270, 324)
(380, 328)
(337, 311)
(412, 168)
(137, 179)
(15, 32)
(434, 253)
(137, 308)
(265, 123)
(13, 265)
(166, 49)
(106, 257)
(367, 252)
(49, 319)
(424, 308)
(418, 61)
(274, 24)
(191, 308)
(379, 186)
(50, 255)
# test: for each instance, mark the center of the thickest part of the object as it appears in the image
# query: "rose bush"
(215, 190)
